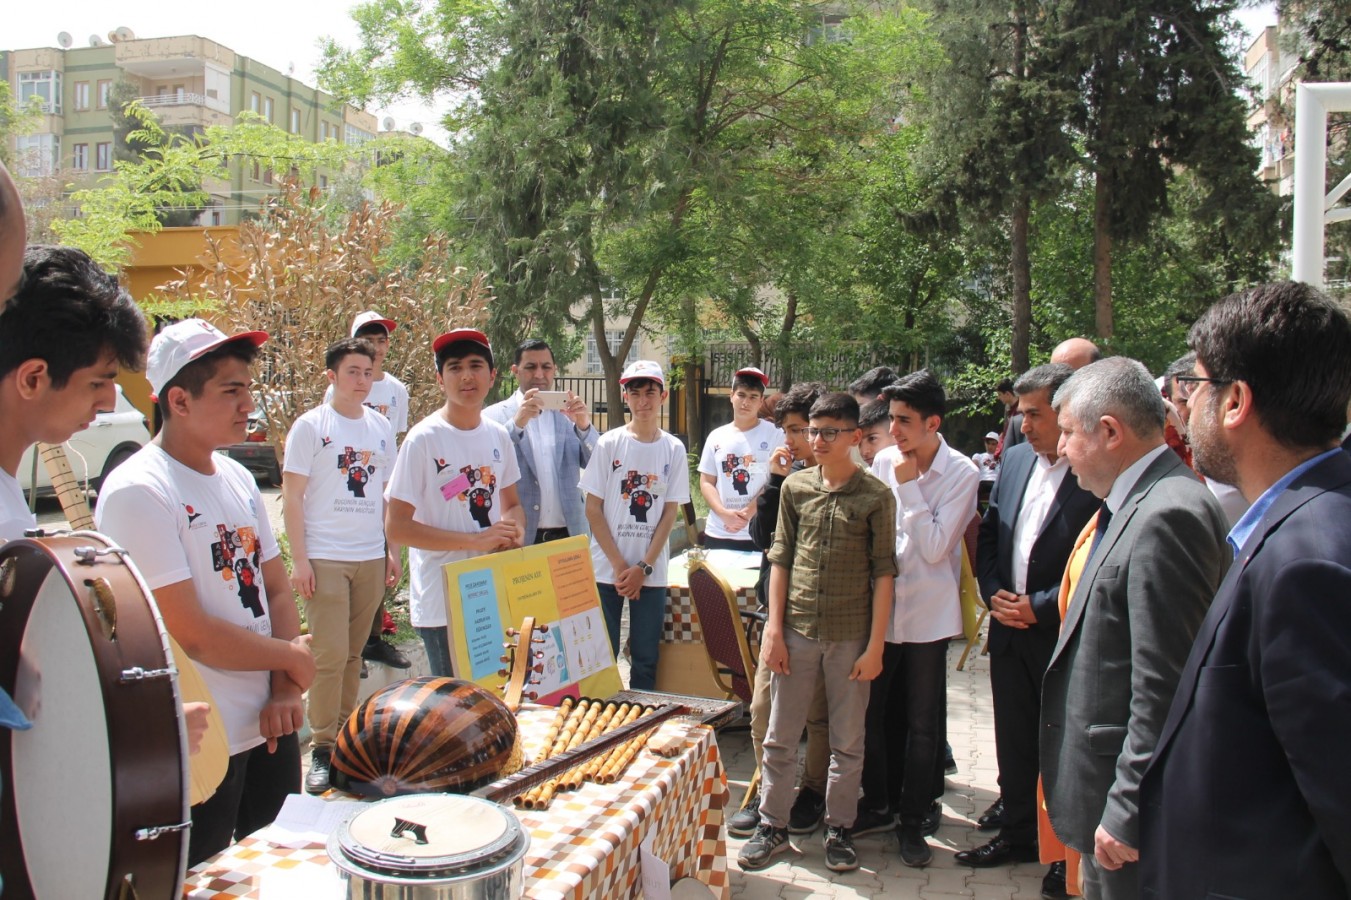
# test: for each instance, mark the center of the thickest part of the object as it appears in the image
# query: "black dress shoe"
(1053, 885)
(382, 651)
(932, 819)
(993, 818)
(998, 852)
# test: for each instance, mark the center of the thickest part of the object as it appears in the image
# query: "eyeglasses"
(827, 434)
(795, 430)
(1186, 384)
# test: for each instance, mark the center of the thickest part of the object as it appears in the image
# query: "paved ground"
(969, 792)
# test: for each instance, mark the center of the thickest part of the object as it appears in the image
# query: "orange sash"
(1052, 850)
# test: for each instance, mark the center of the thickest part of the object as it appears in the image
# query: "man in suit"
(1159, 554)
(1249, 793)
(1026, 535)
(552, 446)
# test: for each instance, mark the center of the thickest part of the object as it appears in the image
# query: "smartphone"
(553, 399)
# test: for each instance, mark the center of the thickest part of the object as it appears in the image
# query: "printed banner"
(553, 582)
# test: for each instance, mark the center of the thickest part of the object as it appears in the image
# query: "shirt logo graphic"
(236, 557)
(357, 466)
(324, 442)
(192, 514)
(440, 465)
(736, 468)
(639, 490)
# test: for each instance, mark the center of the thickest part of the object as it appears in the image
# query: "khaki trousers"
(346, 595)
(817, 761)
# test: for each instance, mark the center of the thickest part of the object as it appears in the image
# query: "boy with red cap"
(452, 494)
(735, 463)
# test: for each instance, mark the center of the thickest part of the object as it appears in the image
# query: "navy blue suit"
(1249, 791)
(1018, 657)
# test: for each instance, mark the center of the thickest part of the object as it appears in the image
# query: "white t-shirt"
(346, 462)
(740, 461)
(181, 525)
(634, 480)
(388, 397)
(14, 514)
(453, 479)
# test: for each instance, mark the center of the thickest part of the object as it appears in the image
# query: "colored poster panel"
(555, 584)
(481, 617)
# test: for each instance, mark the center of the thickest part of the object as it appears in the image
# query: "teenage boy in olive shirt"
(830, 597)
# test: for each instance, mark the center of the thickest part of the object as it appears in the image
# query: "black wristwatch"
(647, 570)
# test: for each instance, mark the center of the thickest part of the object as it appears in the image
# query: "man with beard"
(1247, 792)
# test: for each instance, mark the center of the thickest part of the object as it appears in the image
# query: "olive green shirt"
(834, 542)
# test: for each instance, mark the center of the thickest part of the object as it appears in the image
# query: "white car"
(93, 453)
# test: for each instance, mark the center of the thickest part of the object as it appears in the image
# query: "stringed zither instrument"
(207, 766)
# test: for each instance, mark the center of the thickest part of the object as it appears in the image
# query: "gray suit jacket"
(572, 452)
(1127, 633)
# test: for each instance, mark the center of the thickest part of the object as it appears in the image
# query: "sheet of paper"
(305, 821)
(733, 559)
(656, 871)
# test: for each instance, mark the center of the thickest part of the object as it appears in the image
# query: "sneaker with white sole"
(767, 843)
(840, 853)
(745, 820)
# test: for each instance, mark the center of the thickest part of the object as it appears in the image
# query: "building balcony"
(187, 108)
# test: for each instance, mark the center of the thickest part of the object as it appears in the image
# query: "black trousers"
(1016, 670)
(906, 730)
(255, 786)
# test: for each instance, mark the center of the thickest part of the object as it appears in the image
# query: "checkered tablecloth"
(585, 845)
(681, 625)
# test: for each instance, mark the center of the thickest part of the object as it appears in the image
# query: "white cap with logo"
(181, 343)
(371, 317)
(643, 368)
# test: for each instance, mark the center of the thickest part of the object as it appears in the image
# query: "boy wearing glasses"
(830, 592)
(735, 464)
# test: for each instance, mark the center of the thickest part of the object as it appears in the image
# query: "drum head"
(431, 835)
(62, 767)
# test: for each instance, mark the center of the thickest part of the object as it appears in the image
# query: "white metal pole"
(1311, 135)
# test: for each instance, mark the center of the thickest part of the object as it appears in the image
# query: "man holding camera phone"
(551, 431)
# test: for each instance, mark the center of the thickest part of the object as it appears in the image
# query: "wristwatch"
(647, 570)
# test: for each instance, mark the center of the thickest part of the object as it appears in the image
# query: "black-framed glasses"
(1186, 384)
(827, 434)
(795, 430)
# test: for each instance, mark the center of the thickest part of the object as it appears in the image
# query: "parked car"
(107, 443)
(255, 452)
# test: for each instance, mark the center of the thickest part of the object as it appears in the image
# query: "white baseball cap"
(991, 435)
(371, 317)
(182, 342)
(643, 368)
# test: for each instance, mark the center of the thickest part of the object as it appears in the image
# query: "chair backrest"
(970, 536)
(729, 653)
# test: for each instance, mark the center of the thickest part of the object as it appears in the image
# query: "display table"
(682, 667)
(585, 845)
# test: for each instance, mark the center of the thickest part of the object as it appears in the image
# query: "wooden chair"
(726, 629)
(969, 538)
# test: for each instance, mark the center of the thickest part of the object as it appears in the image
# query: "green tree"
(1152, 89)
(129, 149)
(16, 120)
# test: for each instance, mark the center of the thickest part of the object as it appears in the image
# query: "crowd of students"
(1118, 684)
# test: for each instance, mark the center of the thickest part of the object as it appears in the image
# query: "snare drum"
(96, 791)
(432, 847)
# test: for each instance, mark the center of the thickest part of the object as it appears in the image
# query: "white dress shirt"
(1042, 486)
(1131, 474)
(932, 513)
(543, 445)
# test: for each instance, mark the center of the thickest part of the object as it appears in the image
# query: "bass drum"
(95, 793)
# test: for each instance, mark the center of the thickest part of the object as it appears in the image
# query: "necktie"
(1104, 519)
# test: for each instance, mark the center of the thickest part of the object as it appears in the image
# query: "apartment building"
(188, 81)
(1269, 72)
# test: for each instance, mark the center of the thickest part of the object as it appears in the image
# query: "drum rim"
(500, 853)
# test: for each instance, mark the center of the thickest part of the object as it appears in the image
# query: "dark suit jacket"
(1070, 511)
(1127, 632)
(1249, 794)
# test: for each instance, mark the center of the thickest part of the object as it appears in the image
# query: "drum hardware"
(88, 556)
(105, 606)
(9, 571)
(136, 673)
(150, 834)
(404, 826)
(524, 663)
